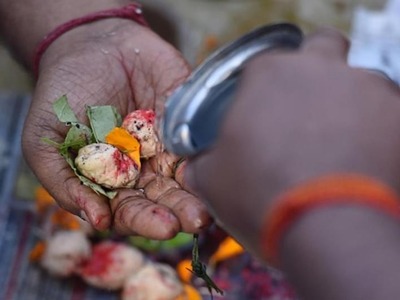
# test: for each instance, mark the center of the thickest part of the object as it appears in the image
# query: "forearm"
(344, 253)
(24, 23)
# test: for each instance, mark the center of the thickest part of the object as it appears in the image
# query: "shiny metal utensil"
(194, 112)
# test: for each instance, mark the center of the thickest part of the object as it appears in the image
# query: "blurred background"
(191, 23)
(197, 28)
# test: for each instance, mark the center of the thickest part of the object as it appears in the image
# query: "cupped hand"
(119, 63)
(296, 116)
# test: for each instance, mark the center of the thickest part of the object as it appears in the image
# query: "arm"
(25, 23)
(348, 252)
(298, 116)
(108, 62)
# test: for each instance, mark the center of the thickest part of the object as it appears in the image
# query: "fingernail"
(83, 216)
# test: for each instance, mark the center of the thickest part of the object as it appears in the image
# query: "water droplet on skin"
(137, 51)
(104, 51)
(138, 11)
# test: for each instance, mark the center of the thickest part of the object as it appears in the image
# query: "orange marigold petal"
(65, 220)
(211, 42)
(37, 251)
(227, 249)
(43, 199)
(183, 268)
(189, 293)
(124, 141)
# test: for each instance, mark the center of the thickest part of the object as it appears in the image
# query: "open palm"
(134, 69)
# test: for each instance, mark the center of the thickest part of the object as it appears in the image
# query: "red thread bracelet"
(331, 190)
(132, 11)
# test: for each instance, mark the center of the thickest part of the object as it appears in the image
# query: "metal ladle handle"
(193, 113)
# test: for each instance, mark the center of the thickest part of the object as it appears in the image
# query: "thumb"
(185, 176)
(327, 42)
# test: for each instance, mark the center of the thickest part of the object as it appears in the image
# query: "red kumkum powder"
(146, 115)
(123, 162)
(101, 259)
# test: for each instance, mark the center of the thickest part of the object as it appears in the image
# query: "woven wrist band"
(132, 12)
(330, 190)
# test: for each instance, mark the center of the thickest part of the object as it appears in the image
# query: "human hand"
(297, 115)
(120, 63)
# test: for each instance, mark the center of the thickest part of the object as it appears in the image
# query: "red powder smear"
(123, 162)
(143, 115)
(100, 220)
(101, 259)
(163, 215)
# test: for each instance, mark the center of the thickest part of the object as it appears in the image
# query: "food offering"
(69, 247)
(134, 267)
(107, 154)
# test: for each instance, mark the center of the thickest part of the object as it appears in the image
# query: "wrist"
(347, 252)
(25, 23)
(343, 230)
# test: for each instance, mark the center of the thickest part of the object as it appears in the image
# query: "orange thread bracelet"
(330, 190)
(131, 11)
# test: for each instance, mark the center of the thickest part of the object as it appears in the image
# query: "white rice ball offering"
(155, 281)
(107, 166)
(140, 124)
(111, 264)
(64, 253)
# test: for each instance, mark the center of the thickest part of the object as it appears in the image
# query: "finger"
(328, 43)
(181, 178)
(146, 175)
(191, 212)
(135, 215)
(61, 182)
(159, 186)
(164, 164)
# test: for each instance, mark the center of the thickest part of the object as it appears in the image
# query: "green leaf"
(78, 136)
(50, 142)
(63, 110)
(145, 243)
(98, 189)
(199, 268)
(180, 240)
(102, 120)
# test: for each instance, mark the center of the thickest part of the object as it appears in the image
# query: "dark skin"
(298, 116)
(320, 116)
(110, 62)
(133, 81)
